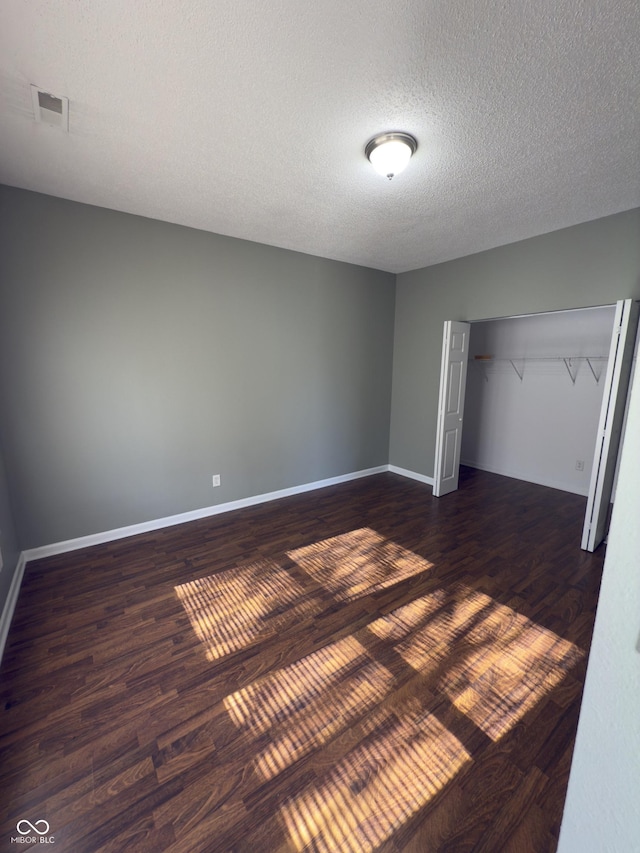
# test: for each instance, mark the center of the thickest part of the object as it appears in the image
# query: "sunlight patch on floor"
(377, 787)
(285, 692)
(230, 610)
(428, 630)
(492, 662)
(305, 705)
(358, 563)
(506, 673)
(405, 621)
(233, 609)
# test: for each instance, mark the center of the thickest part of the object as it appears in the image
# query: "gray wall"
(8, 540)
(591, 264)
(138, 358)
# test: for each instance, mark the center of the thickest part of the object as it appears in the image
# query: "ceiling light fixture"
(389, 153)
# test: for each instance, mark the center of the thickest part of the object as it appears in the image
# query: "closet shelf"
(570, 362)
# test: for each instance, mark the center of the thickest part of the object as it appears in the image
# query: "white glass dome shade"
(390, 153)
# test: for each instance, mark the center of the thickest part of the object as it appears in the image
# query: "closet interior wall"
(533, 397)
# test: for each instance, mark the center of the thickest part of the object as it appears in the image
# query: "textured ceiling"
(250, 118)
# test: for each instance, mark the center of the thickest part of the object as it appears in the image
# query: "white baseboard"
(193, 515)
(516, 475)
(158, 523)
(412, 475)
(10, 603)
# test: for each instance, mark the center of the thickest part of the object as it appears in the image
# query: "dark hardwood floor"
(360, 668)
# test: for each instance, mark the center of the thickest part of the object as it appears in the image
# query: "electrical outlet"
(216, 480)
(579, 464)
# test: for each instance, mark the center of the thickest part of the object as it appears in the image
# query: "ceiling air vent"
(50, 109)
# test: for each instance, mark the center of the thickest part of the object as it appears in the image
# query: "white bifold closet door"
(610, 423)
(453, 379)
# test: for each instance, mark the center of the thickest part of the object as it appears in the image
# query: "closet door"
(610, 424)
(453, 378)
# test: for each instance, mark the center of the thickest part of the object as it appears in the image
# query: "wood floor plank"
(362, 668)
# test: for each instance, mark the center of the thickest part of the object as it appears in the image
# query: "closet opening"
(542, 398)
